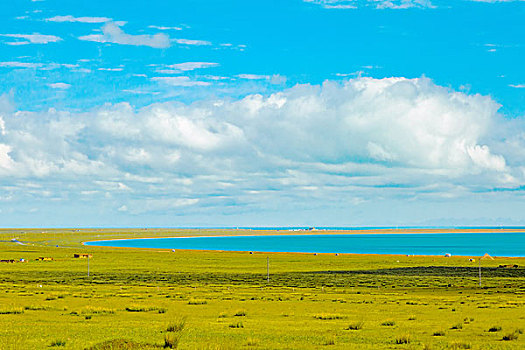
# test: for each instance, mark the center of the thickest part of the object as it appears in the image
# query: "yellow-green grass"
(134, 296)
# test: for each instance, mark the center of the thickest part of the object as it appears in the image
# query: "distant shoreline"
(243, 233)
(294, 232)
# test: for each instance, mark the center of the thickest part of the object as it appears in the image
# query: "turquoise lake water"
(468, 244)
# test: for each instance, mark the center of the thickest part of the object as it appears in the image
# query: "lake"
(467, 244)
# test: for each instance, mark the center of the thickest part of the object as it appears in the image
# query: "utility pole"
(268, 268)
(486, 256)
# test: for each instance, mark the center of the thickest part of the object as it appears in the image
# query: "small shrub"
(330, 341)
(88, 317)
(176, 325)
(459, 345)
(457, 326)
(251, 341)
(355, 326)
(495, 329)
(328, 317)
(58, 343)
(440, 333)
(388, 323)
(511, 336)
(12, 311)
(412, 318)
(222, 315)
(135, 308)
(97, 310)
(240, 313)
(171, 340)
(36, 307)
(236, 325)
(197, 302)
(117, 344)
(403, 339)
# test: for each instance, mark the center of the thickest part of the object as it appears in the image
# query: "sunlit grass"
(148, 299)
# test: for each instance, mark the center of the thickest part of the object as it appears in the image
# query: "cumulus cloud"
(112, 33)
(339, 141)
(34, 38)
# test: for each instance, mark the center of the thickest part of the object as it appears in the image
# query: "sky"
(195, 113)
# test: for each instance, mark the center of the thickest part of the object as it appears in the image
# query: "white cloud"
(188, 66)
(180, 81)
(184, 67)
(112, 33)
(378, 4)
(253, 76)
(273, 79)
(496, 1)
(39, 66)
(168, 71)
(34, 38)
(402, 4)
(6, 163)
(117, 69)
(518, 86)
(150, 205)
(70, 18)
(16, 64)
(340, 141)
(482, 156)
(192, 42)
(60, 86)
(141, 92)
(165, 28)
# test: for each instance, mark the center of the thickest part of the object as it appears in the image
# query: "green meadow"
(155, 299)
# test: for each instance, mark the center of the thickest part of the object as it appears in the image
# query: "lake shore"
(410, 251)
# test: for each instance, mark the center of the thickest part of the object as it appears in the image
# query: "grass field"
(150, 299)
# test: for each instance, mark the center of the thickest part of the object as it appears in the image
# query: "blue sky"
(261, 113)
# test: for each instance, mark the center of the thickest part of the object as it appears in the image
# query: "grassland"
(150, 299)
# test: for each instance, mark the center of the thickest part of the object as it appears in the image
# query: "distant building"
(83, 256)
